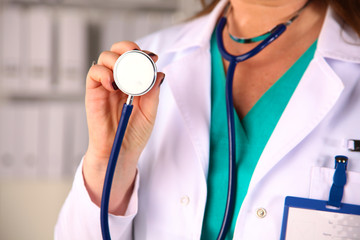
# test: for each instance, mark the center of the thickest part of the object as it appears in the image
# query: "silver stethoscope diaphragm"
(135, 73)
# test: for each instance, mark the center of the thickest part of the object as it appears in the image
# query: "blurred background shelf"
(142, 5)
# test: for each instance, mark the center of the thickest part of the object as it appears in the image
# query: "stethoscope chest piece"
(135, 73)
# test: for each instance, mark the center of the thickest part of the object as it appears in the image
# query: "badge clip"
(339, 181)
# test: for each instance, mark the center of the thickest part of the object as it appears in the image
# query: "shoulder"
(177, 41)
(337, 40)
(173, 38)
(339, 47)
(174, 42)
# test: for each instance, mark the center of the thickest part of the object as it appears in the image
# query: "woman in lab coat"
(160, 186)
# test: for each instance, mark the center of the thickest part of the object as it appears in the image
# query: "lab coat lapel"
(191, 90)
(316, 94)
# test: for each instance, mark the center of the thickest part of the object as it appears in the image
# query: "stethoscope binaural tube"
(134, 74)
(234, 60)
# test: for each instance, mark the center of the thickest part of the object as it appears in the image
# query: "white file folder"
(158, 21)
(78, 137)
(142, 25)
(38, 41)
(29, 146)
(10, 136)
(72, 51)
(55, 139)
(43, 140)
(12, 36)
(115, 27)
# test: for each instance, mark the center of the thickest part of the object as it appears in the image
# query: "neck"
(249, 18)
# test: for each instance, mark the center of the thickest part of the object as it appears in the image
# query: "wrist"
(94, 170)
(98, 163)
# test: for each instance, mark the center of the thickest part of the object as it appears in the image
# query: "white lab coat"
(169, 198)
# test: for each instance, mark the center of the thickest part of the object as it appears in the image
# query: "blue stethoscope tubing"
(119, 136)
(234, 60)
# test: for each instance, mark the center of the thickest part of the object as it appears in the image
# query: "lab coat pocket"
(322, 179)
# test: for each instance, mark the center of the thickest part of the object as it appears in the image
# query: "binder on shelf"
(43, 140)
(78, 135)
(114, 28)
(160, 20)
(149, 22)
(142, 25)
(38, 40)
(12, 35)
(1, 48)
(30, 129)
(10, 136)
(55, 139)
(72, 51)
(80, 2)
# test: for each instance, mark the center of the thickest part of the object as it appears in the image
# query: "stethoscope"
(135, 74)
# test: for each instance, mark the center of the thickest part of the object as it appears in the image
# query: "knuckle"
(102, 56)
(91, 71)
(116, 45)
(123, 45)
(92, 68)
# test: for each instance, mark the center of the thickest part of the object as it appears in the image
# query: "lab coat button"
(184, 200)
(261, 212)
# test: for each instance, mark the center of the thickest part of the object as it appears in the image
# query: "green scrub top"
(252, 134)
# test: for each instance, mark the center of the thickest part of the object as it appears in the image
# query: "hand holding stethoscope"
(103, 108)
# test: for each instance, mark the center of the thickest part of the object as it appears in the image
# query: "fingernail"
(162, 80)
(151, 54)
(115, 86)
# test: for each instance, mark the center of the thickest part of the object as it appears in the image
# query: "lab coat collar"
(200, 30)
(337, 40)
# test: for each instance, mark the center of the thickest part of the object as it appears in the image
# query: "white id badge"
(308, 219)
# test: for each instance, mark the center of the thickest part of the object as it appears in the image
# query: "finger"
(159, 79)
(153, 56)
(108, 59)
(100, 75)
(124, 46)
(155, 89)
(152, 96)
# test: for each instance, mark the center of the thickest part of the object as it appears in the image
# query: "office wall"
(46, 48)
